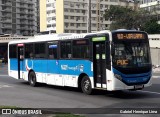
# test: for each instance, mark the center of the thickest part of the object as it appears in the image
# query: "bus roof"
(125, 30)
(63, 36)
(66, 36)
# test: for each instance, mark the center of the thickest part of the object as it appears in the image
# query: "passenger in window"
(31, 55)
(51, 56)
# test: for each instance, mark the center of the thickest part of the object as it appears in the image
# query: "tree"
(128, 18)
(152, 27)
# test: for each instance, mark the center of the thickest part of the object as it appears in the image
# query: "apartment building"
(18, 17)
(151, 5)
(71, 16)
(38, 16)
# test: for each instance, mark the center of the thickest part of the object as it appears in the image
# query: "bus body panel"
(119, 85)
(56, 72)
(66, 72)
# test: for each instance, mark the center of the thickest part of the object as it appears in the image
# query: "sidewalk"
(156, 75)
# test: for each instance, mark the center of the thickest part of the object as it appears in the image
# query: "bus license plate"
(138, 86)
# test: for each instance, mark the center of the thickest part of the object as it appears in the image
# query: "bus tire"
(86, 85)
(32, 79)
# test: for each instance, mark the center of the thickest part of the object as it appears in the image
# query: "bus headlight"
(118, 76)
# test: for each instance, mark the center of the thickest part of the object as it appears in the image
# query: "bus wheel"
(32, 79)
(86, 85)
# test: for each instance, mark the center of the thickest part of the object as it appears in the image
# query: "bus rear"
(131, 60)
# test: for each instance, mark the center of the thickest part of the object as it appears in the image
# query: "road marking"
(5, 85)
(150, 92)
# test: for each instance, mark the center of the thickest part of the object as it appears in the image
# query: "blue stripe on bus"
(133, 78)
(68, 67)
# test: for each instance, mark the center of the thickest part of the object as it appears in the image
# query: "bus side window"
(65, 49)
(81, 51)
(52, 50)
(31, 55)
(29, 50)
(52, 53)
(12, 51)
(40, 50)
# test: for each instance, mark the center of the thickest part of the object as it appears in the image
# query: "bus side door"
(20, 57)
(99, 63)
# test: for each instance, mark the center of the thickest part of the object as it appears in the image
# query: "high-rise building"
(38, 17)
(153, 6)
(71, 16)
(18, 17)
(150, 5)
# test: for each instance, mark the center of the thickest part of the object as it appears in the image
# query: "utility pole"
(89, 17)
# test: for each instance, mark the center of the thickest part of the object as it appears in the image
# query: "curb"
(155, 76)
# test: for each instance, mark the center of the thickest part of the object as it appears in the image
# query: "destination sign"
(98, 38)
(130, 36)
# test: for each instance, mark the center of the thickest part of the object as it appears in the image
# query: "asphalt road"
(19, 93)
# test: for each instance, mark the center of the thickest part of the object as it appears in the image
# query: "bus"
(105, 60)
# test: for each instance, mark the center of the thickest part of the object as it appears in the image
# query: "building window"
(65, 17)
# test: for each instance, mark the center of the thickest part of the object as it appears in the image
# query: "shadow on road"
(125, 94)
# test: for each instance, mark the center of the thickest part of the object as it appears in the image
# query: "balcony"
(6, 27)
(6, 10)
(23, 17)
(7, 21)
(24, 28)
(23, 22)
(23, 12)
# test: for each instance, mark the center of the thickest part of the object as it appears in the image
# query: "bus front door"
(99, 64)
(20, 57)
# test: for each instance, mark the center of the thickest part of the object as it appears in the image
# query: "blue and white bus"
(108, 60)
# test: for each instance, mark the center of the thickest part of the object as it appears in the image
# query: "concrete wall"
(155, 56)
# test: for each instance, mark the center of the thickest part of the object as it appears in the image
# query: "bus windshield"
(131, 54)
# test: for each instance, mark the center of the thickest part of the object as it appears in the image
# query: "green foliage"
(128, 18)
(152, 27)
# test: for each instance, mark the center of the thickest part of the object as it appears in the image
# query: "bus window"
(52, 48)
(40, 50)
(12, 51)
(81, 49)
(66, 49)
(29, 50)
